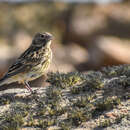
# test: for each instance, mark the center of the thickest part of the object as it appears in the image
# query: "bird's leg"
(28, 86)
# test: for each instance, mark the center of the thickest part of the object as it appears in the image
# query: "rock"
(92, 100)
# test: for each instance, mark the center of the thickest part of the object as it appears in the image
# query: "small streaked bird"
(32, 64)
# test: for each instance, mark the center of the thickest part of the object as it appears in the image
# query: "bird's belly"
(24, 77)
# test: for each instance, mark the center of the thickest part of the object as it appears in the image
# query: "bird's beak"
(49, 36)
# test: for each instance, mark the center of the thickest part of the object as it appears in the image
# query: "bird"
(32, 63)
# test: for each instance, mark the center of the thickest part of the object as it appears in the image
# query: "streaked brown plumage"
(32, 63)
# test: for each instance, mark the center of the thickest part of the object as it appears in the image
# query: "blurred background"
(89, 34)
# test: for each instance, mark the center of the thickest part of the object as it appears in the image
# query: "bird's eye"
(42, 36)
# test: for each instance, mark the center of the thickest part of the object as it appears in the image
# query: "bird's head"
(42, 39)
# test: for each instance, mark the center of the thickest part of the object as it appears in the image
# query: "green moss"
(78, 115)
(54, 93)
(108, 121)
(31, 121)
(105, 123)
(65, 80)
(5, 100)
(83, 101)
(14, 121)
(75, 90)
(120, 117)
(94, 81)
(107, 104)
(116, 71)
(65, 126)
(71, 100)
(45, 123)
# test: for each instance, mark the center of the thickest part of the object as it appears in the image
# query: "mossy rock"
(92, 100)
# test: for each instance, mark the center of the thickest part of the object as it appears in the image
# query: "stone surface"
(93, 100)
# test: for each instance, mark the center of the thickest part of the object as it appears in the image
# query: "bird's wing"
(25, 62)
(16, 68)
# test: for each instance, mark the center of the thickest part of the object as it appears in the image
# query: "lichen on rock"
(92, 100)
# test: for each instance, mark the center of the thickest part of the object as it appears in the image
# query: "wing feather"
(25, 62)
